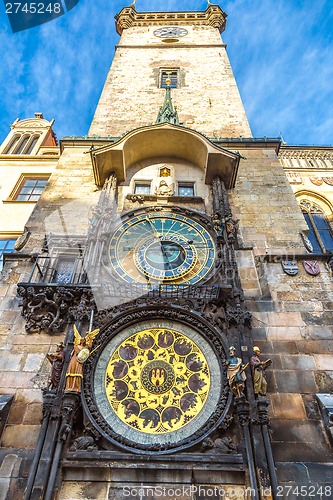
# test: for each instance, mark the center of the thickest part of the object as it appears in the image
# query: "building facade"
(168, 247)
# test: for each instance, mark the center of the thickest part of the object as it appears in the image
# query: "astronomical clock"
(157, 380)
(161, 247)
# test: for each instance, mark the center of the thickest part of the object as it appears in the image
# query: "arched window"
(320, 233)
(32, 143)
(12, 144)
(22, 145)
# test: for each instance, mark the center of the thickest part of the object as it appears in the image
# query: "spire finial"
(168, 113)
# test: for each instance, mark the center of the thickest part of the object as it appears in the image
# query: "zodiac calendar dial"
(157, 382)
(163, 248)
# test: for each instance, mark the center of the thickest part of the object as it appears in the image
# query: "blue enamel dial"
(162, 247)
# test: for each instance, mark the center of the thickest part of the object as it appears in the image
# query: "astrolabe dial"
(162, 247)
(157, 381)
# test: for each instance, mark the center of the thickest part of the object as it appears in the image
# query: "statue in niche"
(258, 370)
(164, 189)
(80, 354)
(218, 227)
(57, 361)
(235, 372)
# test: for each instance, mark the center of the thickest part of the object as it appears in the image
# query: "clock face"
(157, 381)
(162, 248)
(170, 32)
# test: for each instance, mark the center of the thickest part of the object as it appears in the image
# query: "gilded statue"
(235, 372)
(258, 371)
(80, 354)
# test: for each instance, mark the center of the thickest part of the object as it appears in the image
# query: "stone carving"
(135, 198)
(238, 316)
(83, 443)
(307, 243)
(258, 370)
(50, 309)
(219, 446)
(328, 180)
(243, 410)
(68, 414)
(164, 189)
(22, 240)
(80, 354)
(57, 360)
(215, 315)
(262, 407)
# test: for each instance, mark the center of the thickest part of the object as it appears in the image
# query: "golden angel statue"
(80, 354)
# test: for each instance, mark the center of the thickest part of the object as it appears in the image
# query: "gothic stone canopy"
(168, 141)
(212, 16)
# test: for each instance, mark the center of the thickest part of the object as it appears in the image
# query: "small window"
(63, 274)
(186, 189)
(172, 75)
(142, 188)
(6, 246)
(30, 189)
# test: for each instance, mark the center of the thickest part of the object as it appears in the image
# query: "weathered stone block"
(324, 381)
(33, 414)
(20, 436)
(319, 332)
(10, 361)
(295, 381)
(284, 333)
(286, 319)
(298, 362)
(324, 361)
(33, 362)
(288, 406)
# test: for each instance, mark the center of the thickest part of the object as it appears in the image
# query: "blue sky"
(281, 52)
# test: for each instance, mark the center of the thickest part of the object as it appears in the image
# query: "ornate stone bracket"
(238, 316)
(50, 308)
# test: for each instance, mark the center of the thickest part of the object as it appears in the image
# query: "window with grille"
(142, 188)
(320, 233)
(172, 75)
(185, 189)
(6, 246)
(64, 271)
(30, 189)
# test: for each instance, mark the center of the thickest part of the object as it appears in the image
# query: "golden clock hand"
(156, 235)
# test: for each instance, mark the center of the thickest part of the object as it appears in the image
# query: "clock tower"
(189, 46)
